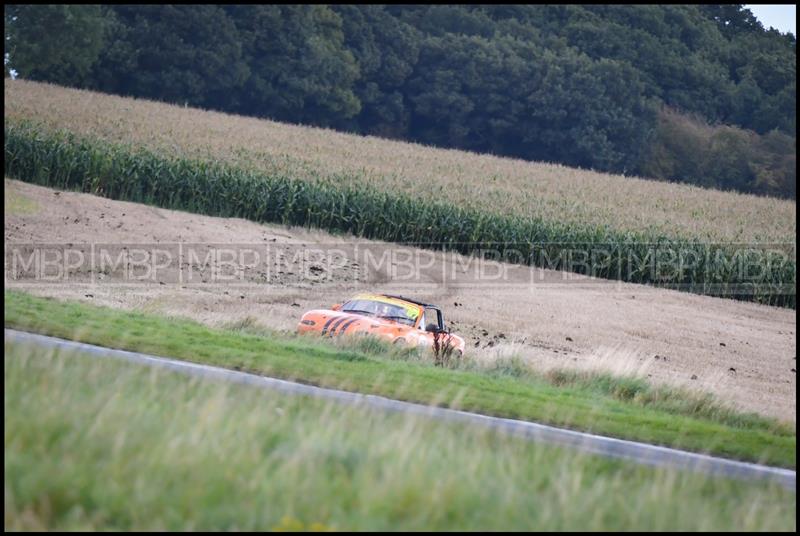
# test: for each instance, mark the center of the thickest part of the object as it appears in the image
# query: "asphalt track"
(605, 446)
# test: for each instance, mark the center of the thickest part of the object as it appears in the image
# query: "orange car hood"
(326, 316)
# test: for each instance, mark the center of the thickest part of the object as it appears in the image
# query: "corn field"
(62, 159)
(569, 196)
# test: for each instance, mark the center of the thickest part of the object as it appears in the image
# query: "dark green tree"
(300, 70)
(386, 49)
(54, 43)
(176, 53)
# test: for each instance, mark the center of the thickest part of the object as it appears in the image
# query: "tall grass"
(625, 388)
(64, 160)
(106, 445)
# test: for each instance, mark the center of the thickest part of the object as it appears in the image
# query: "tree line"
(698, 94)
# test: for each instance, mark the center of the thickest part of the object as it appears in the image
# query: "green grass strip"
(94, 444)
(309, 361)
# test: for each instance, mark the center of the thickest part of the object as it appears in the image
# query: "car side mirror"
(336, 307)
(433, 328)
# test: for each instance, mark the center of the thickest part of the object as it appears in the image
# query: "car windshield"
(381, 309)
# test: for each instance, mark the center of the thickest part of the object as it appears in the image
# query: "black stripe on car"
(328, 323)
(344, 328)
(336, 324)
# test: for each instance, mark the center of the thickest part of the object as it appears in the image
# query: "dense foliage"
(579, 85)
(64, 160)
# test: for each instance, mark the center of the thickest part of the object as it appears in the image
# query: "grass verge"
(106, 445)
(629, 389)
(309, 361)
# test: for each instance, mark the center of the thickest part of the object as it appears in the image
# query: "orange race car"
(398, 319)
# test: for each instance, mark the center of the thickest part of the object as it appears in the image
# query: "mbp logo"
(724, 269)
(45, 263)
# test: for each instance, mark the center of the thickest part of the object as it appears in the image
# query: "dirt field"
(742, 352)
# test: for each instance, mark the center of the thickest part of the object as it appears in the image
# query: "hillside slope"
(499, 185)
